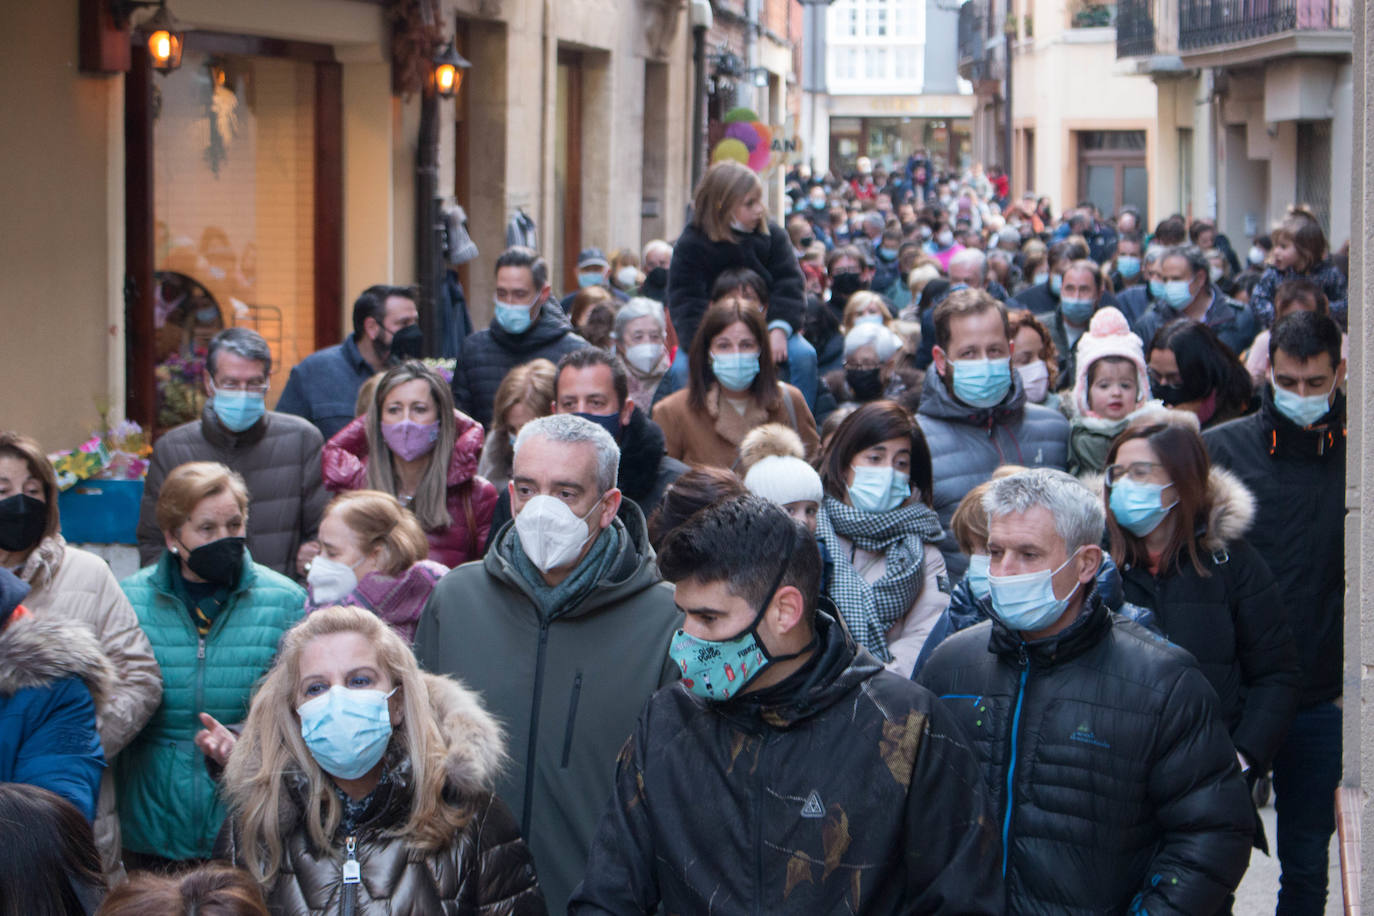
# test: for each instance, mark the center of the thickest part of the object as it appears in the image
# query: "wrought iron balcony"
(1135, 28)
(1212, 23)
(972, 40)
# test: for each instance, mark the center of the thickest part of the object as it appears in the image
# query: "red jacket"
(471, 499)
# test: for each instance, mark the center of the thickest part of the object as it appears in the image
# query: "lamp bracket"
(122, 11)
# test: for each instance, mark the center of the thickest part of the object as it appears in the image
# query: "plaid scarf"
(900, 535)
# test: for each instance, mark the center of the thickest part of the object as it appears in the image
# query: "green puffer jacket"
(167, 802)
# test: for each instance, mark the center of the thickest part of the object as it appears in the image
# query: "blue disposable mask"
(887, 254)
(513, 319)
(590, 278)
(239, 410)
(1039, 278)
(868, 319)
(977, 575)
(1056, 283)
(1077, 312)
(1128, 265)
(1177, 293)
(1138, 507)
(346, 731)
(981, 382)
(1027, 602)
(735, 371)
(879, 489)
(1156, 289)
(719, 669)
(1303, 410)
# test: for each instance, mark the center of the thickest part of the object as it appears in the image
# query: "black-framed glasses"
(1137, 471)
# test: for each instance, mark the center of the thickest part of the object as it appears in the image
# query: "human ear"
(788, 608)
(1089, 561)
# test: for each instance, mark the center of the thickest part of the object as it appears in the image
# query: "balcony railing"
(972, 43)
(1208, 23)
(1135, 28)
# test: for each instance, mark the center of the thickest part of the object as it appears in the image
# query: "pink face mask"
(409, 439)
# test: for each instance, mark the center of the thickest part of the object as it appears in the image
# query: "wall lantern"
(448, 71)
(164, 38)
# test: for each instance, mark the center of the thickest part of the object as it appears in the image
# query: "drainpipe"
(1008, 136)
(701, 24)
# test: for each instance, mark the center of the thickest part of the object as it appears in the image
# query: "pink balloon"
(759, 158)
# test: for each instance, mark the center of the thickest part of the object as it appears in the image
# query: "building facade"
(1256, 106)
(273, 175)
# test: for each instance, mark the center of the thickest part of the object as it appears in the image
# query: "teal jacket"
(167, 801)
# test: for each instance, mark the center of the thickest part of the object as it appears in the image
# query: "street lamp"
(164, 38)
(448, 70)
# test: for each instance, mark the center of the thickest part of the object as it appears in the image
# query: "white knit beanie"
(1108, 334)
(783, 479)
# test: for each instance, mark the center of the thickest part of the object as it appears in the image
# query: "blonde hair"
(379, 521)
(30, 452)
(430, 504)
(857, 301)
(366, 392)
(725, 185)
(531, 384)
(188, 484)
(271, 752)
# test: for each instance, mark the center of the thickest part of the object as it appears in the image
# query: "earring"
(173, 550)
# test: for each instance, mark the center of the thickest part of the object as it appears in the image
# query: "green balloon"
(740, 114)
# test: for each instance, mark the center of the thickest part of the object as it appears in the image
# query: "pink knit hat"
(1108, 334)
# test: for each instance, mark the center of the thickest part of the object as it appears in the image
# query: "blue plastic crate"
(101, 511)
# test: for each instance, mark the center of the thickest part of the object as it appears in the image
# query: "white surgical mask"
(627, 277)
(644, 357)
(550, 533)
(1255, 255)
(1035, 378)
(330, 580)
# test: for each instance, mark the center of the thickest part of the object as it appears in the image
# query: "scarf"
(555, 600)
(900, 535)
(203, 600)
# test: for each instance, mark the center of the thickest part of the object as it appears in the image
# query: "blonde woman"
(362, 785)
(865, 307)
(526, 393)
(413, 444)
(372, 555)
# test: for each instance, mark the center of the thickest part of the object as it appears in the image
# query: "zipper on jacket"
(352, 877)
(1011, 762)
(572, 717)
(758, 829)
(534, 727)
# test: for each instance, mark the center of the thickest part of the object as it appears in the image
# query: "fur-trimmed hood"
(1231, 512)
(38, 651)
(476, 744)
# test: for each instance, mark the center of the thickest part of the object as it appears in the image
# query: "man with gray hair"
(1188, 292)
(564, 628)
(1117, 787)
(278, 455)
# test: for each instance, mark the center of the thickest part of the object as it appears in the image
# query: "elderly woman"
(355, 763)
(873, 369)
(71, 584)
(214, 618)
(640, 333)
(414, 444)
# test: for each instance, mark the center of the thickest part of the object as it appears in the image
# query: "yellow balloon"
(730, 148)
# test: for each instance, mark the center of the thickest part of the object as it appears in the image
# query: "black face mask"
(866, 384)
(656, 278)
(218, 562)
(22, 522)
(845, 285)
(1171, 395)
(407, 343)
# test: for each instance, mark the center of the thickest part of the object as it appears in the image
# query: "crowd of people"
(915, 550)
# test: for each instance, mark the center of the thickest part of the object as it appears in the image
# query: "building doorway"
(567, 170)
(1111, 171)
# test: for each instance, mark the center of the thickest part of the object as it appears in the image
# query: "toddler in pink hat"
(1111, 385)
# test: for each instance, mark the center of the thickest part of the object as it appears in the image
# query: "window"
(906, 18)
(846, 63)
(907, 61)
(844, 19)
(875, 20)
(875, 63)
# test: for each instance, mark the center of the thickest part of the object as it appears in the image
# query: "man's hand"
(778, 342)
(307, 552)
(214, 740)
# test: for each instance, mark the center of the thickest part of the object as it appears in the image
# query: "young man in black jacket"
(787, 770)
(1115, 784)
(1291, 454)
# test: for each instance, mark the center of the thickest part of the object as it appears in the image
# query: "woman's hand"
(777, 340)
(214, 740)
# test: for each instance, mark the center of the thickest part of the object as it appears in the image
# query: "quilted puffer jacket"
(488, 355)
(968, 443)
(1114, 782)
(486, 869)
(471, 499)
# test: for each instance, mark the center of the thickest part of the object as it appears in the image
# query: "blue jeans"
(1307, 770)
(800, 370)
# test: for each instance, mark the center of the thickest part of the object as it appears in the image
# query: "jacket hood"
(344, 463)
(938, 402)
(37, 651)
(12, 591)
(633, 570)
(475, 746)
(642, 447)
(552, 325)
(468, 437)
(1231, 512)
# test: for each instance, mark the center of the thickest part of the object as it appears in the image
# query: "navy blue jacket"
(323, 387)
(488, 355)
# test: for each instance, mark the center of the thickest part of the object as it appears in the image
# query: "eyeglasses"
(237, 387)
(862, 366)
(1137, 471)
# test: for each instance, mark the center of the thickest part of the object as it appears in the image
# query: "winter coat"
(698, 261)
(1232, 621)
(488, 355)
(1298, 479)
(323, 388)
(398, 600)
(470, 498)
(1041, 301)
(1134, 302)
(567, 686)
(751, 805)
(168, 806)
(71, 584)
(53, 683)
(711, 437)
(1326, 275)
(279, 458)
(967, 444)
(1108, 765)
(485, 869)
(1234, 322)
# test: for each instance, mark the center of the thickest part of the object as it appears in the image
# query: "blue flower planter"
(101, 511)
